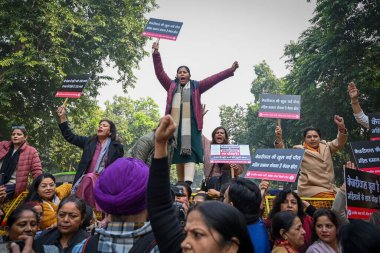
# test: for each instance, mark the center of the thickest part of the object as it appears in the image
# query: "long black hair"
(33, 188)
(280, 198)
(214, 133)
(227, 221)
(320, 213)
(246, 197)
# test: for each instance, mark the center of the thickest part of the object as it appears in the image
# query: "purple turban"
(121, 188)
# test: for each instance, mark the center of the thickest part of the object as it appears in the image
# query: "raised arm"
(69, 136)
(359, 115)
(209, 82)
(158, 68)
(166, 227)
(278, 143)
(341, 139)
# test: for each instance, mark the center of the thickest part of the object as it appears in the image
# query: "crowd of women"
(225, 216)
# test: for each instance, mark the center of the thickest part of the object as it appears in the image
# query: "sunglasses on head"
(18, 127)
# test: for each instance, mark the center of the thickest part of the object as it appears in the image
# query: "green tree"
(246, 127)
(61, 155)
(133, 118)
(233, 119)
(341, 45)
(57, 38)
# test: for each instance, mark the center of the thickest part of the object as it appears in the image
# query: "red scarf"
(285, 244)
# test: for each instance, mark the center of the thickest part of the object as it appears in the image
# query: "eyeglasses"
(18, 127)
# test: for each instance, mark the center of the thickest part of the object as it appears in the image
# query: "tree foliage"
(246, 127)
(233, 119)
(59, 38)
(43, 41)
(341, 45)
(133, 118)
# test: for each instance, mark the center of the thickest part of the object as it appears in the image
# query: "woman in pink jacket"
(17, 160)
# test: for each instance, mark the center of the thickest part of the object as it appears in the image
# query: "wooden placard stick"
(64, 102)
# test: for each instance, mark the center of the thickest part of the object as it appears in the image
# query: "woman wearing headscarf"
(17, 161)
(99, 151)
(183, 103)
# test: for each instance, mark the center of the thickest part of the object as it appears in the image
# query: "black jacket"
(165, 224)
(88, 144)
(50, 239)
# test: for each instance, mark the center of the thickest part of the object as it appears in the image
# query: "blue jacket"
(259, 237)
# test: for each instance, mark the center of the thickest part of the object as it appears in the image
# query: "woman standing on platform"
(183, 103)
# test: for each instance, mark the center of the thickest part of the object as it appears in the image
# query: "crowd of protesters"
(142, 212)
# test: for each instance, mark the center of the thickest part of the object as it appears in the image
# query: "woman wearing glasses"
(17, 160)
(43, 190)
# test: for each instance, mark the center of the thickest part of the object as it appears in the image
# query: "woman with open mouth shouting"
(99, 151)
(184, 105)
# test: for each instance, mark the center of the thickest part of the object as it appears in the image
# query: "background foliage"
(55, 39)
(341, 45)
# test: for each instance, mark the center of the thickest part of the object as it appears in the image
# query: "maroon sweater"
(170, 86)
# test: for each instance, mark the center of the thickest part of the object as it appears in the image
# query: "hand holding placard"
(278, 132)
(235, 66)
(61, 112)
(156, 46)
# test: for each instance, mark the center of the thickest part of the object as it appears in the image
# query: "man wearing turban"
(120, 191)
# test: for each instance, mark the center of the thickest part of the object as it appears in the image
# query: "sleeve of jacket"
(63, 190)
(339, 205)
(36, 167)
(160, 72)
(166, 227)
(210, 81)
(72, 138)
(338, 143)
(142, 148)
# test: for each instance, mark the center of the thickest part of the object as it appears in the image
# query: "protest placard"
(366, 155)
(230, 154)
(162, 29)
(363, 193)
(280, 106)
(276, 164)
(374, 126)
(72, 86)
